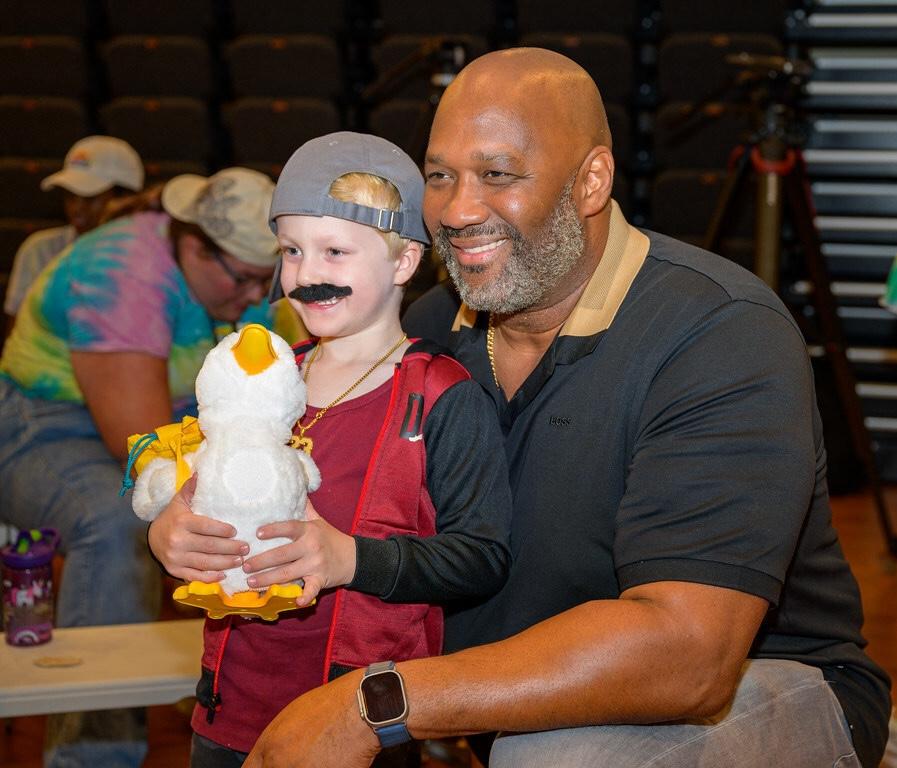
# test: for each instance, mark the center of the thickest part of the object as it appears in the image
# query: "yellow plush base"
(217, 603)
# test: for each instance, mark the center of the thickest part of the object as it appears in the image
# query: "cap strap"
(384, 219)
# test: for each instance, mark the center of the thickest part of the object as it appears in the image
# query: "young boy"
(414, 499)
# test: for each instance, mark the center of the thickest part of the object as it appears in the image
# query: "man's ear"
(407, 261)
(596, 179)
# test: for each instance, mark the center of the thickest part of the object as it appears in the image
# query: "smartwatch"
(383, 703)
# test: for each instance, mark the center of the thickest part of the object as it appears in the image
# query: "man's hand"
(321, 729)
(319, 554)
(193, 547)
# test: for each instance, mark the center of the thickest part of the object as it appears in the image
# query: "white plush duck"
(250, 394)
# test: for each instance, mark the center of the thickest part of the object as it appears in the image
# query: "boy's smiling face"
(351, 281)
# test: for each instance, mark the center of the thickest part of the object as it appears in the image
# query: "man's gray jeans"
(783, 714)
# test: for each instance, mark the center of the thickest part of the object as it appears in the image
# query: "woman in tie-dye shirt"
(108, 343)
(120, 290)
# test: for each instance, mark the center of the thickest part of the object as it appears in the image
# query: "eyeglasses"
(241, 281)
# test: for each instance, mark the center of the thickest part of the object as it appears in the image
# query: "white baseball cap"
(98, 163)
(231, 207)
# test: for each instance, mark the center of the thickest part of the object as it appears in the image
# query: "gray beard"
(535, 267)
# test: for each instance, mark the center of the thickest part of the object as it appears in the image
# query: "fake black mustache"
(320, 292)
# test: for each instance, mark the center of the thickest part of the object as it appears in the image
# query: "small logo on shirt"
(560, 421)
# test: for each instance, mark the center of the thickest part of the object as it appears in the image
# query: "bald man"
(678, 597)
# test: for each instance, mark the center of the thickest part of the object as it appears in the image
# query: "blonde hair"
(375, 192)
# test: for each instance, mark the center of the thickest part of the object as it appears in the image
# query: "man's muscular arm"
(663, 651)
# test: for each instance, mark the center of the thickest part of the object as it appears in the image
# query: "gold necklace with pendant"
(306, 443)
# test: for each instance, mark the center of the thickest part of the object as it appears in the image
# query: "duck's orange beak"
(253, 351)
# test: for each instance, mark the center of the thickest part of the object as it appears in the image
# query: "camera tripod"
(773, 153)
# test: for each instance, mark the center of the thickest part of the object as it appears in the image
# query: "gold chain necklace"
(490, 349)
(306, 443)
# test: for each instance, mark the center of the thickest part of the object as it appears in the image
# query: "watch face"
(384, 699)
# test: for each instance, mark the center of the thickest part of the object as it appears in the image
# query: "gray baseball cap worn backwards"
(304, 184)
(303, 188)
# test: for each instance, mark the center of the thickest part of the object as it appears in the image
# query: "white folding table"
(125, 665)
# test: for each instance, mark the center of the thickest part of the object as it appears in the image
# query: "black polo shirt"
(670, 433)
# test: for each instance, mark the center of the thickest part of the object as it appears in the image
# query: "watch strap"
(391, 735)
(380, 666)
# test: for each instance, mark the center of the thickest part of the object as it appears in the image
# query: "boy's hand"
(318, 553)
(192, 547)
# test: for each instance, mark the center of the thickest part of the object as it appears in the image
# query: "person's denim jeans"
(55, 471)
(784, 714)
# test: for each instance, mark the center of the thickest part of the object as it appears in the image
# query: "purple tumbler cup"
(28, 586)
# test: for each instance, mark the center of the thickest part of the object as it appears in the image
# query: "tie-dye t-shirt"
(116, 289)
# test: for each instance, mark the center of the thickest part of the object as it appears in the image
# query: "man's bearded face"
(535, 267)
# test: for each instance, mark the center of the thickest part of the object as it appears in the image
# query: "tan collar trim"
(623, 257)
(466, 318)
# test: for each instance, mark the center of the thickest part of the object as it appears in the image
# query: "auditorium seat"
(578, 16)
(683, 201)
(285, 17)
(767, 17)
(692, 67)
(473, 17)
(284, 65)
(147, 65)
(405, 122)
(157, 171)
(20, 194)
(43, 65)
(267, 131)
(164, 128)
(43, 126)
(44, 17)
(411, 61)
(703, 138)
(160, 17)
